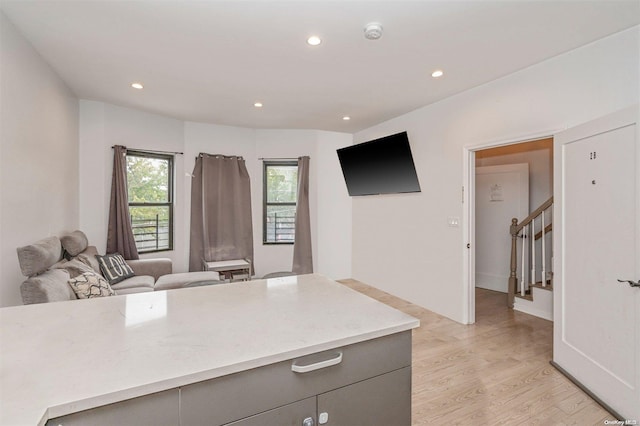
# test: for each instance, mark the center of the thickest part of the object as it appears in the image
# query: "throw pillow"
(114, 268)
(89, 285)
(88, 257)
(75, 242)
(38, 257)
(50, 286)
(74, 267)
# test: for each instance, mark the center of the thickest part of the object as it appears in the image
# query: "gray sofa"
(51, 262)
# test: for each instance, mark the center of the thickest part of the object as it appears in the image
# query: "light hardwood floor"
(493, 372)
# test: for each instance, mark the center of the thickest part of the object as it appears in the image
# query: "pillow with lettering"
(89, 285)
(114, 268)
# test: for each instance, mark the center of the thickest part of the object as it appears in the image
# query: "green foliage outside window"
(282, 184)
(149, 180)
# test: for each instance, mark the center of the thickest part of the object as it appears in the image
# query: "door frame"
(469, 214)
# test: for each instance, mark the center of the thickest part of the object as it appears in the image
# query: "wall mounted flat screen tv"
(380, 166)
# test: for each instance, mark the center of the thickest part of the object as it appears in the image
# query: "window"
(150, 187)
(280, 194)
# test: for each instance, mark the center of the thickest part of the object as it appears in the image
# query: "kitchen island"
(225, 353)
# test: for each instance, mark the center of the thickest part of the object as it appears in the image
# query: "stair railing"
(524, 230)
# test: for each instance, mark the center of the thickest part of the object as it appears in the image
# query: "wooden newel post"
(513, 280)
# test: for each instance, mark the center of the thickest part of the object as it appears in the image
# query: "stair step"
(529, 292)
(548, 287)
(527, 296)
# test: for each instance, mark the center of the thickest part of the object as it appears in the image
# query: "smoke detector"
(373, 31)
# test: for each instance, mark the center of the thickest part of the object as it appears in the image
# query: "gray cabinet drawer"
(158, 409)
(236, 396)
(288, 415)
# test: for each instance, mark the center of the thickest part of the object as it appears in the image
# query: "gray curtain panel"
(221, 227)
(120, 234)
(302, 258)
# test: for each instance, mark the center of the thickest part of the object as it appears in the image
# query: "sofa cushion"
(155, 267)
(134, 290)
(51, 286)
(88, 257)
(114, 268)
(89, 285)
(38, 257)
(134, 284)
(74, 267)
(185, 279)
(75, 242)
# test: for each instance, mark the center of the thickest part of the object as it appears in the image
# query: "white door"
(502, 193)
(597, 241)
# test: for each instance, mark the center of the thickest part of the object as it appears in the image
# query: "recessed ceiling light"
(314, 40)
(258, 104)
(437, 73)
(346, 118)
(137, 85)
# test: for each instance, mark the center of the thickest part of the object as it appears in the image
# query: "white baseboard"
(492, 282)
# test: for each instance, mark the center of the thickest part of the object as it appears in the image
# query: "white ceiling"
(210, 61)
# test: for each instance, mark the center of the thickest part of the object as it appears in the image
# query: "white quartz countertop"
(64, 357)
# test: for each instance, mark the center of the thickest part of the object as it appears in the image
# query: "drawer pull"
(337, 359)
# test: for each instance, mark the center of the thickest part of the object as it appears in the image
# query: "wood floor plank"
(494, 372)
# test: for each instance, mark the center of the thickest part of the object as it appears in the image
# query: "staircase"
(531, 276)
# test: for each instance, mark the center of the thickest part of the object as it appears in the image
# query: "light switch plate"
(453, 221)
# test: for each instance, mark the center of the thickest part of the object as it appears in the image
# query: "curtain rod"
(151, 150)
(278, 158)
(202, 154)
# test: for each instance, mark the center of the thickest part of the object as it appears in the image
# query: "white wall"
(103, 125)
(330, 220)
(537, 154)
(283, 144)
(38, 155)
(333, 208)
(329, 202)
(419, 257)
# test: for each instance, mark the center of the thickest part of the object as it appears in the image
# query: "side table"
(231, 270)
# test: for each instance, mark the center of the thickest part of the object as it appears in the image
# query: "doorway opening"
(505, 180)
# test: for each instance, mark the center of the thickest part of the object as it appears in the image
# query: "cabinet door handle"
(337, 359)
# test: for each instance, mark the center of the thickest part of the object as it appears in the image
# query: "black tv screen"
(380, 166)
